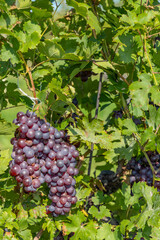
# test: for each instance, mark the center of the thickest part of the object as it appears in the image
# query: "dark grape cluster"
(141, 170)
(40, 155)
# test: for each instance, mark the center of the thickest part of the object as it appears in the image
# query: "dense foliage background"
(53, 64)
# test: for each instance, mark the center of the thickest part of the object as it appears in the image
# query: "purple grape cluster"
(141, 171)
(41, 155)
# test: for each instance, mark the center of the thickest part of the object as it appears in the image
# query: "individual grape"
(35, 127)
(44, 169)
(66, 210)
(67, 204)
(52, 155)
(30, 170)
(70, 190)
(46, 135)
(48, 164)
(30, 133)
(63, 200)
(35, 119)
(38, 134)
(70, 171)
(41, 179)
(50, 143)
(46, 149)
(30, 161)
(52, 137)
(40, 147)
(73, 160)
(69, 198)
(63, 169)
(44, 128)
(59, 155)
(37, 173)
(60, 182)
(76, 171)
(19, 114)
(29, 123)
(36, 183)
(36, 167)
(57, 147)
(15, 170)
(53, 190)
(72, 148)
(62, 134)
(57, 134)
(74, 200)
(47, 178)
(19, 159)
(23, 165)
(59, 204)
(52, 130)
(23, 128)
(19, 179)
(51, 208)
(67, 181)
(75, 154)
(72, 165)
(27, 181)
(54, 169)
(61, 189)
(22, 119)
(65, 151)
(21, 143)
(55, 199)
(65, 175)
(19, 151)
(60, 163)
(74, 193)
(24, 173)
(58, 210)
(41, 162)
(73, 182)
(29, 153)
(69, 155)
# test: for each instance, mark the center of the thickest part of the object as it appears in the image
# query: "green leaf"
(23, 224)
(21, 4)
(99, 214)
(51, 49)
(139, 94)
(9, 53)
(83, 10)
(129, 127)
(26, 234)
(5, 158)
(10, 113)
(105, 232)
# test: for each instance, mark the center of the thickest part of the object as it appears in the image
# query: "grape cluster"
(41, 155)
(141, 170)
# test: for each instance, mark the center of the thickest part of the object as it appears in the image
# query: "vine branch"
(30, 76)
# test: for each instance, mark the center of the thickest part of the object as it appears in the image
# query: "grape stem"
(39, 234)
(96, 115)
(30, 76)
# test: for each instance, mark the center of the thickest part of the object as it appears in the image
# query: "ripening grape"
(41, 155)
